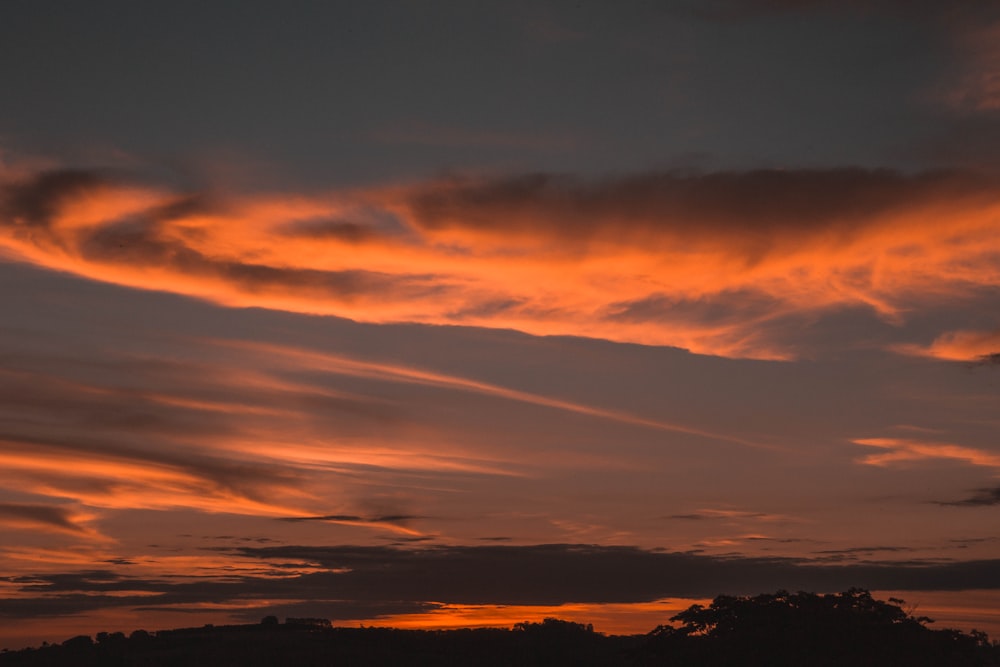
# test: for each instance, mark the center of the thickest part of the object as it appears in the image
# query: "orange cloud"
(131, 481)
(236, 435)
(971, 346)
(715, 263)
(905, 451)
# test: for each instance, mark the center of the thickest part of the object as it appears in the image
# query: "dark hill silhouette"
(781, 629)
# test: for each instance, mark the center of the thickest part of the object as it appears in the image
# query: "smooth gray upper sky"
(357, 92)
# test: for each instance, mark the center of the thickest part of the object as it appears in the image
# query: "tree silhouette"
(850, 628)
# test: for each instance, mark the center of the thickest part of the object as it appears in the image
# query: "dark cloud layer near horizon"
(369, 576)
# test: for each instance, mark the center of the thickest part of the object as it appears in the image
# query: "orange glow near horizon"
(609, 618)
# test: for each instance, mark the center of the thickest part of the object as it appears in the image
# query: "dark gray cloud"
(90, 406)
(865, 554)
(137, 242)
(489, 574)
(34, 201)
(44, 516)
(340, 230)
(246, 479)
(755, 204)
(861, 550)
(980, 498)
(973, 540)
(588, 573)
(393, 519)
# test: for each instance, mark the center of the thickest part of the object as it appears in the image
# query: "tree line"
(779, 629)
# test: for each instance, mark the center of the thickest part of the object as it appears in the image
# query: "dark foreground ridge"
(845, 629)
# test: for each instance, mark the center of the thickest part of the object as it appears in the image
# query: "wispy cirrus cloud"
(315, 359)
(899, 450)
(120, 431)
(47, 518)
(717, 263)
(730, 515)
(396, 522)
(980, 347)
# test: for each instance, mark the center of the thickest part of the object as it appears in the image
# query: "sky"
(440, 314)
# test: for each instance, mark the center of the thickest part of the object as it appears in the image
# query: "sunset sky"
(437, 314)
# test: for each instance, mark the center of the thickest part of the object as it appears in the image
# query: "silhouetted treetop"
(849, 628)
(856, 607)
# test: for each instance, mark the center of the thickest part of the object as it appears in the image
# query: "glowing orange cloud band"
(716, 264)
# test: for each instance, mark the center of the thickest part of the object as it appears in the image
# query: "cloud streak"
(897, 450)
(407, 374)
(45, 518)
(715, 263)
(988, 497)
(978, 347)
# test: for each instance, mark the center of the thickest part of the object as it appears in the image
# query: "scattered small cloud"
(854, 550)
(898, 450)
(987, 497)
(398, 522)
(973, 347)
(725, 514)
